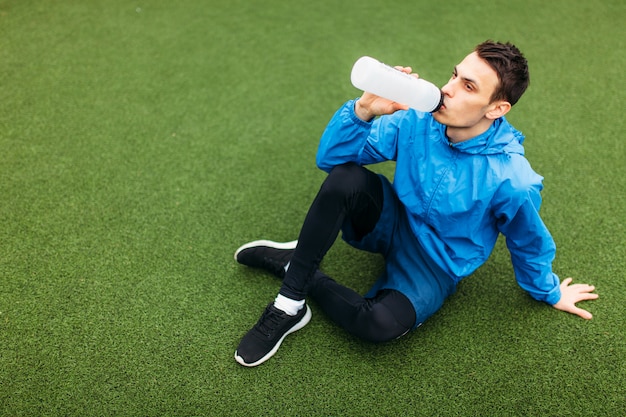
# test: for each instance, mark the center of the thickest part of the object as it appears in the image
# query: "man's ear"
(498, 109)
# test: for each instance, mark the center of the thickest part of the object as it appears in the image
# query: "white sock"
(288, 305)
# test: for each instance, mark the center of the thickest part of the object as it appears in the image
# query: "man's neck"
(461, 134)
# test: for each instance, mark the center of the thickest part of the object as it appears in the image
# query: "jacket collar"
(501, 137)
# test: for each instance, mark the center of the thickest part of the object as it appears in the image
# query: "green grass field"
(143, 141)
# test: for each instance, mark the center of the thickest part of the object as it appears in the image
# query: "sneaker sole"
(269, 244)
(305, 320)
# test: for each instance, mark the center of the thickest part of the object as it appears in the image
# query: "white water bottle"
(371, 75)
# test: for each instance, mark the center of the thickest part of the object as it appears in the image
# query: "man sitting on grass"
(461, 178)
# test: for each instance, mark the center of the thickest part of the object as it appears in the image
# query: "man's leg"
(387, 316)
(349, 193)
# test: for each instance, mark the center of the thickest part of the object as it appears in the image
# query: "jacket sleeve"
(350, 139)
(529, 242)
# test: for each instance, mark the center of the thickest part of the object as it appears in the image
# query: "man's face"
(467, 104)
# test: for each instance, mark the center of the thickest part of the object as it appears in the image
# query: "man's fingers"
(572, 294)
(588, 296)
(582, 287)
(582, 313)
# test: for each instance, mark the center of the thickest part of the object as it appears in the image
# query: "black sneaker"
(271, 256)
(264, 339)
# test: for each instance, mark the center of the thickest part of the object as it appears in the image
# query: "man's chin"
(439, 116)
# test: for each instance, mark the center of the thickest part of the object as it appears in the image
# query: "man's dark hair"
(511, 67)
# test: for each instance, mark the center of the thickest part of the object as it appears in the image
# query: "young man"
(460, 179)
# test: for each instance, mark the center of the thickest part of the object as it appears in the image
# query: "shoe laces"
(269, 322)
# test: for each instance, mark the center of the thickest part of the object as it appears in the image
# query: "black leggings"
(350, 197)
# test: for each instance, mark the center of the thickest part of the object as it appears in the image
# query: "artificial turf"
(144, 141)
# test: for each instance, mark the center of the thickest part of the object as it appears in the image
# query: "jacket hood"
(501, 137)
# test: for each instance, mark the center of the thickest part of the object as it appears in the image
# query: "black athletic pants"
(351, 196)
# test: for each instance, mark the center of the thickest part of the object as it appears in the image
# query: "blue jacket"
(458, 197)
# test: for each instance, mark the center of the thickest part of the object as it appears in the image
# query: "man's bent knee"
(347, 179)
(377, 324)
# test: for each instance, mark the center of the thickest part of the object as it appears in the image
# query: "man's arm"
(532, 252)
(346, 137)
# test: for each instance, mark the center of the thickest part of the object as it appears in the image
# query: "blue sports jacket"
(458, 197)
